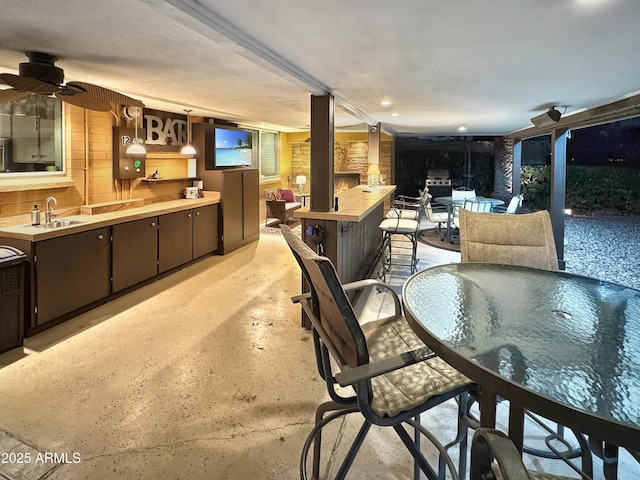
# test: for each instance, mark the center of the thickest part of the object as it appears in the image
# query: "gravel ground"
(605, 247)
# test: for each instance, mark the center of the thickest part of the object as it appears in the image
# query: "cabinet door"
(175, 239)
(205, 230)
(250, 201)
(71, 271)
(232, 216)
(135, 252)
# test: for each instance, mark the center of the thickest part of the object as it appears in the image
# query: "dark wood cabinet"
(239, 205)
(76, 271)
(175, 239)
(205, 230)
(134, 252)
(70, 272)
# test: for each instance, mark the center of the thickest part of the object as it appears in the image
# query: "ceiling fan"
(40, 76)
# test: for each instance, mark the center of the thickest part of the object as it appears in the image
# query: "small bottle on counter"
(35, 216)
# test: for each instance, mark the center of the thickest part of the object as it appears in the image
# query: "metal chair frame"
(329, 308)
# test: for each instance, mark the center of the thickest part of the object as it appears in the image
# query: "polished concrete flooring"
(204, 374)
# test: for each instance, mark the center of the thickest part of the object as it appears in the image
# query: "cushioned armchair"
(280, 204)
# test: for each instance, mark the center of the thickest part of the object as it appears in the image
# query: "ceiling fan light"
(188, 150)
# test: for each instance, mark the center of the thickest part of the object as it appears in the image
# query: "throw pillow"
(271, 196)
(286, 195)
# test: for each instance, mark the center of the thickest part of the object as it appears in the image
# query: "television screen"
(233, 147)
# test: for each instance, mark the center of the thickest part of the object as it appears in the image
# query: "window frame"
(276, 154)
(61, 131)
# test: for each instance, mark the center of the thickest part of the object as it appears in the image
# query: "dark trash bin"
(12, 306)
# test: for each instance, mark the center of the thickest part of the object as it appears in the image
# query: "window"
(268, 162)
(31, 135)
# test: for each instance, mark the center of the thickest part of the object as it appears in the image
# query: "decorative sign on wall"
(165, 128)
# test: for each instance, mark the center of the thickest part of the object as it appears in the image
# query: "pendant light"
(188, 148)
(137, 144)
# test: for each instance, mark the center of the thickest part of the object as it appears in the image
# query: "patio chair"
(514, 205)
(527, 240)
(437, 215)
(462, 193)
(394, 376)
(475, 204)
(489, 445)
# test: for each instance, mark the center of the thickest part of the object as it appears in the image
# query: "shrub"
(590, 189)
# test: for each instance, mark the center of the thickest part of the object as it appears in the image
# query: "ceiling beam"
(215, 22)
(610, 112)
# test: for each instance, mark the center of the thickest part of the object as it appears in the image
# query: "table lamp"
(301, 180)
(373, 173)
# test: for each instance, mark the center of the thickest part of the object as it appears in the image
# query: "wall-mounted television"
(233, 147)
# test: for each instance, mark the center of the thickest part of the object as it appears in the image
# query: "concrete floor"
(205, 374)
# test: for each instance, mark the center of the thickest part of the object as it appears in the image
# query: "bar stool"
(408, 207)
(400, 241)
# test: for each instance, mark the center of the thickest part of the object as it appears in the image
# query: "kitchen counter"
(89, 222)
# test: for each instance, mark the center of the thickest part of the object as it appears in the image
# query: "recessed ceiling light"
(386, 103)
(591, 3)
(462, 128)
(395, 114)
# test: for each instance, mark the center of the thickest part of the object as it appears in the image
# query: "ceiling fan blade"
(105, 94)
(28, 84)
(11, 95)
(83, 100)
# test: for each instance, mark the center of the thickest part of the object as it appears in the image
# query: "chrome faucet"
(50, 213)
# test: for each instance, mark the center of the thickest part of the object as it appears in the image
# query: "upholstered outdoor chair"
(525, 239)
(395, 377)
(278, 207)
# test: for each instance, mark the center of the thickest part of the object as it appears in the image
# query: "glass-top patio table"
(450, 203)
(561, 345)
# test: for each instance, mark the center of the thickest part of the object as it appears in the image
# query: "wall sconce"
(301, 180)
(188, 148)
(373, 173)
(137, 144)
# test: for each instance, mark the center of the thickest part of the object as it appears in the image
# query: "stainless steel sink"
(58, 224)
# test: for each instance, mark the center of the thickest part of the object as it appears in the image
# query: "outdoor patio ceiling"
(439, 65)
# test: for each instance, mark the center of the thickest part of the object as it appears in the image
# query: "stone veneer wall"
(349, 156)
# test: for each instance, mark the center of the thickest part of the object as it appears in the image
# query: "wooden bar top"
(353, 204)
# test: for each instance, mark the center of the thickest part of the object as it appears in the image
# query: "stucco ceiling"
(489, 65)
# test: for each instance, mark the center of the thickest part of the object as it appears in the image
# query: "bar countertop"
(353, 204)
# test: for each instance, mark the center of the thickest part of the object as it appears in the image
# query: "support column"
(558, 188)
(322, 119)
(374, 144)
(516, 179)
